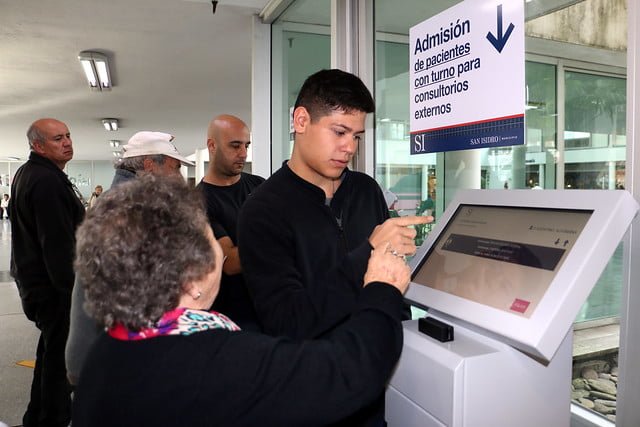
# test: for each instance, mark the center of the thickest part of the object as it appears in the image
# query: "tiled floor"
(18, 338)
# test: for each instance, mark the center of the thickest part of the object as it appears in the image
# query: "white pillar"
(261, 98)
(424, 184)
(518, 167)
(612, 175)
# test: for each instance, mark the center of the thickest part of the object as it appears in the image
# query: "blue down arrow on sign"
(499, 41)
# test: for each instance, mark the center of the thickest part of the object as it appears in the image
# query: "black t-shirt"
(223, 206)
(224, 203)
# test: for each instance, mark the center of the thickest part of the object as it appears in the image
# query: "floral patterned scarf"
(181, 321)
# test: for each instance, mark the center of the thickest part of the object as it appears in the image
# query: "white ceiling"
(174, 63)
(174, 66)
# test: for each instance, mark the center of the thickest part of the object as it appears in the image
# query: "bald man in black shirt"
(226, 187)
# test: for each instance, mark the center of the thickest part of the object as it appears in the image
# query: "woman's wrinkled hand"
(388, 266)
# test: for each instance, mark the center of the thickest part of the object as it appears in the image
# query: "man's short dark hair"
(334, 90)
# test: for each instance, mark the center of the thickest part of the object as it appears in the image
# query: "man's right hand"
(388, 266)
(397, 233)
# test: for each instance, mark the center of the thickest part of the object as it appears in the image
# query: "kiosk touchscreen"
(501, 256)
(520, 263)
(507, 272)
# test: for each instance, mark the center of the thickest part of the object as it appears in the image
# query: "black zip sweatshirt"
(304, 261)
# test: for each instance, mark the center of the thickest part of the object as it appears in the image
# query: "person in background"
(145, 153)
(225, 188)
(4, 206)
(152, 267)
(94, 196)
(45, 211)
(305, 235)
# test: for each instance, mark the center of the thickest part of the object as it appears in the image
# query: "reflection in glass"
(79, 173)
(595, 111)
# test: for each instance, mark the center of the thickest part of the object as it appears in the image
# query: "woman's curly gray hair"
(137, 248)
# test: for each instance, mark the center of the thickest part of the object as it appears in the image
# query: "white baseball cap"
(146, 143)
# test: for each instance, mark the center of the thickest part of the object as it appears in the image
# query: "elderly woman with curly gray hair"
(152, 267)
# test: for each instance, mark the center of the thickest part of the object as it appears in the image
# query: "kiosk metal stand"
(476, 381)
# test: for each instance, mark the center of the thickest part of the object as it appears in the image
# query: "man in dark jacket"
(306, 234)
(45, 210)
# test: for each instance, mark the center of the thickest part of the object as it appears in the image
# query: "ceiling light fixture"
(96, 69)
(110, 124)
(114, 143)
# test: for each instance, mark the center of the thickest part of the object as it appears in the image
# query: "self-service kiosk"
(503, 274)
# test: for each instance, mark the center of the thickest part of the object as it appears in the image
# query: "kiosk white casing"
(508, 365)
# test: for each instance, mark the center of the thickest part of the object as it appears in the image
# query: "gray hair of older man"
(34, 134)
(137, 163)
(139, 246)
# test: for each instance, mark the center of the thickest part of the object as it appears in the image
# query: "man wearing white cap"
(146, 152)
(149, 152)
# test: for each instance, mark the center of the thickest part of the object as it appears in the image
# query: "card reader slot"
(435, 328)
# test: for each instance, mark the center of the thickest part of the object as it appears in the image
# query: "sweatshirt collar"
(312, 189)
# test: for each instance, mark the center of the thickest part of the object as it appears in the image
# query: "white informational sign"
(466, 81)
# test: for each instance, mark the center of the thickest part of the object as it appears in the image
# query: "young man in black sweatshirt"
(306, 234)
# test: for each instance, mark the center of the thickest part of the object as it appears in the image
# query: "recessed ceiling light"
(96, 69)
(110, 124)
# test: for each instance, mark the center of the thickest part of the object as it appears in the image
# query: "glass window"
(595, 111)
(79, 173)
(410, 181)
(403, 175)
(301, 45)
(540, 118)
(534, 164)
(595, 137)
(103, 173)
(4, 177)
(540, 108)
(590, 154)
